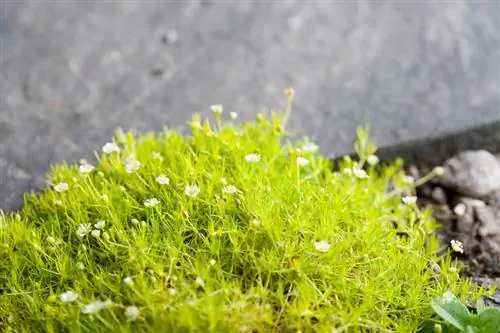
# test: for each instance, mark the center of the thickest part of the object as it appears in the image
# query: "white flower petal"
(192, 191)
(86, 168)
(322, 246)
(216, 109)
(132, 166)
(372, 159)
(99, 224)
(360, 173)
(163, 180)
(252, 158)
(83, 229)
(310, 148)
(229, 189)
(110, 148)
(61, 187)
(457, 246)
(199, 281)
(301, 161)
(68, 296)
(131, 313)
(409, 200)
(151, 202)
(95, 307)
(128, 281)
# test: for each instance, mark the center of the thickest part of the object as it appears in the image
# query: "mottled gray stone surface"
(73, 71)
(473, 173)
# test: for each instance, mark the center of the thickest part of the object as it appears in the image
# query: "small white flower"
(252, 158)
(128, 281)
(131, 313)
(172, 291)
(95, 307)
(457, 246)
(409, 200)
(255, 222)
(163, 180)
(233, 115)
(223, 180)
(229, 189)
(99, 224)
(157, 155)
(151, 202)
(302, 161)
(110, 147)
(83, 229)
(58, 203)
(347, 171)
(372, 159)
(61, 187)
(359, 173)
(212, 262)
(310, 148)
(68, 296)
(322, 246)
(199, 281)
(104, 197)
(192, 191)
(216, 109)
(86, 168)
(408, 180)
(80, 265)
(96, 233)
(132, 165)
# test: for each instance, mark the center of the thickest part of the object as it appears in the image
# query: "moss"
(272, 242)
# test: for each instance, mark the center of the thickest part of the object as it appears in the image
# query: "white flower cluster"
(95, 230)
(131, 313)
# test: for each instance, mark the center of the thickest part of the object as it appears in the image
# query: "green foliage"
(226, 230)
(457, 317)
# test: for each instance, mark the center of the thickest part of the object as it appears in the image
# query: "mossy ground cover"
(231, 228)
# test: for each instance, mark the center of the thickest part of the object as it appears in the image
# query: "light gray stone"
(489, 221)
(475, 174)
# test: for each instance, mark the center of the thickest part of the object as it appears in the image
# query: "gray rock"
(470, 202)
(465, 223)
(72, 72)
(472, 173)
(439, 195)
(489, 221)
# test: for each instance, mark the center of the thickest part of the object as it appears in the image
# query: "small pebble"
(460, 209)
